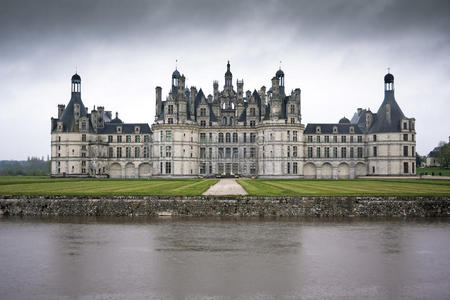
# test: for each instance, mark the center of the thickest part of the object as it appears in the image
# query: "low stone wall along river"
(225, 206)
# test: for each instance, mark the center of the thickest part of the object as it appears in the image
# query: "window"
(235, 153)
(83, 125)
(252, 137)
(110, 138)
(405, 126)
(352, 129)
(343, 152)
(203, 123)
(292, 120)
(202, 168)
(220, 152)
(146, 138)
(228, 137)
(170, 109)
(244, 136)
(327, 152)
(360, 152)
(351, 152)
(405, 168)
(137, 139)
(170, 121)
(161, 136)
(359, 138)
(119, 139)
(374, 137)
(288, 151)
(168, 151)
(351, 139)
(168, 167)
(202, 152)
(128, 138)
(137, 153)
(168, 136)
(412, 151)
(292, 109)
(210, 169)
(375, 151)
(252, 152)
(161, 151)
(235, 137)
(343, 139)
(245, 153)
(119, 152)
(128, 152)
(227, 152)
(310, 152)
(405, 150)
(294, 168)
(288, 135)
(335, 129)
(334, 139)
(405, 137)
(413, 169)
(294, 136)
(110, 152)
(252, 123)
(146, 152)
(309, 138)
(318, 152)
(210, 137)
(252, 112)
(83, 138)
(288, 169)
(327, 139)
(202, 112)
(294, 151)
(318, 138)
(335, 152)
(220, 137)
(59, 139)
(210, 152)
(202, 137)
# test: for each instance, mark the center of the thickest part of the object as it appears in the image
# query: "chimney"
(61, 108)
(359, 111)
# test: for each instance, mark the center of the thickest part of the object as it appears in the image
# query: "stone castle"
(231, 133)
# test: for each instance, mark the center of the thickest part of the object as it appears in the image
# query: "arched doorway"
(309, 170)
(327, 171)
(360, 170)
(130, 171)
(144, 170)
(343, 171)
(115, 171)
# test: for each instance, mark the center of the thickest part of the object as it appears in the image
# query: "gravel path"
(227, 186)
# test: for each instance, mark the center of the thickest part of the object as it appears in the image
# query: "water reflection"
(216, 258)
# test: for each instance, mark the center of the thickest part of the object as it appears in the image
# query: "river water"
(235, 258)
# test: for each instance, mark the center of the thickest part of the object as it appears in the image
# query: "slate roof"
(68, 117)
(382, 121)
(327, 128)
(127, 128)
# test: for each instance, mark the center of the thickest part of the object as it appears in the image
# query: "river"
(231, 258)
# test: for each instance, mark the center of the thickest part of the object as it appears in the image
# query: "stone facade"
(232, 133)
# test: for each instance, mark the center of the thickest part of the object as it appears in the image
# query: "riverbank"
(366, 206)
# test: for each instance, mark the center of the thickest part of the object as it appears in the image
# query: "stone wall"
(225, 206)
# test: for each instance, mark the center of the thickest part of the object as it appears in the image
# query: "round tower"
(388, 82)
(76, 84)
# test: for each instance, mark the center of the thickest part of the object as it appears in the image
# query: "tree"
(419, 160)
(443, 155)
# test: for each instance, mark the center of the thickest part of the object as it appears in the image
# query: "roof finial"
(76, 69)
(389, 70)
(117, 114)
(279, 66)
(176, 64)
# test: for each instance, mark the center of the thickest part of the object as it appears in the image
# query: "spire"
(228, 76)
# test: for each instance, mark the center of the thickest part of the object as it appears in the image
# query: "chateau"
(231, 133)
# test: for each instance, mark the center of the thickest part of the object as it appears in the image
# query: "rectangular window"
(235, 153)
(360, 152)
(343, 139)
(83, 138)
(235, 137)
(168, 136)
(294, 168)
(210, 152)
(202, 152)
(244, 137)
(318, 139)
(128, 152)
(202, 168)
(294, 151)
(288, 168)
(252, 152)
(294, 136)
(202, 112)
(137, 138)
(245, 152)
(327, 152)
(210, 137)
(203, 123)
(310, 138)
(252, 112)
(318, 152)
(146, 138)
(288, 135)
(405, 168)
(405, 137)
(146, 152)
(202, 137)
(228, 137)
(351, 152)
(220, 137)
(83, 154)
(119, 152)
(252, 123)
(227, 152)
(252, 137)
(128, 138)
(170, 110)
(168, 151)
(168, 167)
(335, 152)
(119, 139)
(405, 126)
(359, 138)
(288, 151)
(412, 151)
(351, 139)
(334, 139)
(220, 152)
(310, 152)
(110, 138)
(405, 150)
(375, 152)
(110, 152)
(374, 137)
(137, 153)
(327, 139)
(343, 152)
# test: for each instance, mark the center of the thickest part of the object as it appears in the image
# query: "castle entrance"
(227, 169)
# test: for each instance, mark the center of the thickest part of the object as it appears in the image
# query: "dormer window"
(335, 129)
(352, 129)
(119, 129)
(318, 129)
(137, 129)
(170, 109)
(405, 125)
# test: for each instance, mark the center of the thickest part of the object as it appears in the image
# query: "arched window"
(220, 137)
(228, 137)
(231, 121)
(224, 120)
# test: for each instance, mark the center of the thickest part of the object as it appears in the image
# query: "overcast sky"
(336, 51)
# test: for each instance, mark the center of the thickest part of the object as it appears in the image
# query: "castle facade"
(231, 133)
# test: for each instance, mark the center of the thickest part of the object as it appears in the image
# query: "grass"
(44, 186)
(435, 170)
(357, 187)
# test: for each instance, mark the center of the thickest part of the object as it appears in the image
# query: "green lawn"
(436, 171)
(357, 187)
(97, 187)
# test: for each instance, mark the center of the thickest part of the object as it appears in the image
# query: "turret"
(61, 108)
(228, 77)
(101, 116)
(158, 101)
(216, 89)
(240, 90)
